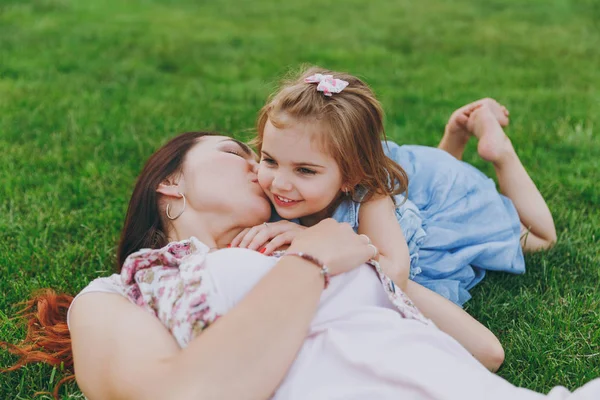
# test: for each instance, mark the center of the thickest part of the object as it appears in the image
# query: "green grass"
(88, 89)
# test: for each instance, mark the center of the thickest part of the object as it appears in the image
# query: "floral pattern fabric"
(172, 284)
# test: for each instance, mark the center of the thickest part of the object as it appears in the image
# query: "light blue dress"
(455, 222)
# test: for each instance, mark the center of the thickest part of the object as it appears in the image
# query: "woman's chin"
(260, 213)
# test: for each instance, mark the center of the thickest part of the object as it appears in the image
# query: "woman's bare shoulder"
(116, 344)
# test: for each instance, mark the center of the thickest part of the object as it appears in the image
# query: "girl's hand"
(335, 244)
(267, 237)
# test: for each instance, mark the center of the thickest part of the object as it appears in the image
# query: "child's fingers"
(236, 240)
(280, 240)
(268, 232)
(261, 238)
(250, 235)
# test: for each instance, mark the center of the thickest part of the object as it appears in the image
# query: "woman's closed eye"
(237, 148)
(237, 153)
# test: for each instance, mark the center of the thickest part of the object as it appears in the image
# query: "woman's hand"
(335, 244)
(267, 237)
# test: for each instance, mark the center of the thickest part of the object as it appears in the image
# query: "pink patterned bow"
(327, 83)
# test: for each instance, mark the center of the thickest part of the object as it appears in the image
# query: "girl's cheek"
(263, 179)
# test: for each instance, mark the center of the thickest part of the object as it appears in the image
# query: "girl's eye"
(269, 161)
(306, 171)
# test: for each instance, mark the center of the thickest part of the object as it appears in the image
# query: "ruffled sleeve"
(411, 222)
(399, 299)
(172, 284)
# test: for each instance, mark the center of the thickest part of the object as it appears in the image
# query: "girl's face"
(298, 177)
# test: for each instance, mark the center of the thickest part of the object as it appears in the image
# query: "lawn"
(88, 89)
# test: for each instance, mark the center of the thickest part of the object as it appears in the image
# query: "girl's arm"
(377, 219)
(123, 352)
(456, 322)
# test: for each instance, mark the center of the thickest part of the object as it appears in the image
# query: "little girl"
(432, 217)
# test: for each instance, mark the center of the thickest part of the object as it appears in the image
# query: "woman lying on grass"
(317, 322)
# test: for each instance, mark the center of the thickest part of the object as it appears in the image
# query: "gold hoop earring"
(168, 209)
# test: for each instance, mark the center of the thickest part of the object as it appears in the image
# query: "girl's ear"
(349, 186)
(348, 189)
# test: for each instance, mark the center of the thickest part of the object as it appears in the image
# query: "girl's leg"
(494, 146)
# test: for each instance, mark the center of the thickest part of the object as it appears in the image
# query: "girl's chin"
(286, 213)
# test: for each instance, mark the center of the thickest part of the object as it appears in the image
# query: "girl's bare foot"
(493, 145)
(457, 133)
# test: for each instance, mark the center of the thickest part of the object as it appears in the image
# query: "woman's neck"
(215, 233)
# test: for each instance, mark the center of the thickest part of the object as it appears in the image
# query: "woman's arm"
(122, 352)
(377, 220)
(456, 322)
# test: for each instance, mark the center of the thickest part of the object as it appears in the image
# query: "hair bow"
(327, 83)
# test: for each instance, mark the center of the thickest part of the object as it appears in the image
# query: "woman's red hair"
(47, 339)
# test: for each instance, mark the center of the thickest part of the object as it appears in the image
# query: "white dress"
(359, 346)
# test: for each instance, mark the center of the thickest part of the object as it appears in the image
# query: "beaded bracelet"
(316, 261)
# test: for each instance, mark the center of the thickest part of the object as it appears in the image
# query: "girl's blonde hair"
(353, 120)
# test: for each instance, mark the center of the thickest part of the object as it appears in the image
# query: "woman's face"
(219, 178)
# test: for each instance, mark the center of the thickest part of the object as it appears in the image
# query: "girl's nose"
(279, 182)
